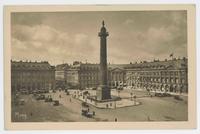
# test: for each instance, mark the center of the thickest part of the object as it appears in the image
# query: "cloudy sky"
(60, 37)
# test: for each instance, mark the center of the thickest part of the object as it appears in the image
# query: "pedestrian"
(148, 118)
(93, 113)
(115, 119)
(31, 113)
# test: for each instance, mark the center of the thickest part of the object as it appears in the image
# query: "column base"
(103, 93)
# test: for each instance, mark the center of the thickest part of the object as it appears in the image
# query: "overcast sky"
(73, 36)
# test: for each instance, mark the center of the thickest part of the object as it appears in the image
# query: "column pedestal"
(103, 93)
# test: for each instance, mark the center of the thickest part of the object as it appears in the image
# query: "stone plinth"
(113, 103)
(103, 93)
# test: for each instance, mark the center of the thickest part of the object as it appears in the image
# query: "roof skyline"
(109, 64)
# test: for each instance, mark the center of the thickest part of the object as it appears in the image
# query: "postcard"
(99, 67)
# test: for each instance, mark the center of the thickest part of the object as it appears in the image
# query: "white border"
(50, 2)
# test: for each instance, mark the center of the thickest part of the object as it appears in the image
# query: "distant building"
(116, 75)
(61, 75)
(32, 75)
(86, 75)
(167, 75)
(72, 76)
(89, 75)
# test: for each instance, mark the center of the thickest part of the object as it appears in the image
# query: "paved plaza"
(69, 110)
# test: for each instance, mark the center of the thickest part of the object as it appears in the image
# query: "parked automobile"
(166, 94)
(59, 89)
(30, 92)
(21, 102)
(67, 93)
(120, 88)
(48, 99)
(56, 103)
(40, 97)
(85, 92)
(46, 91)
(158, 94)
(87, 114)
(24, 91)
(177, 97)
(94, 88)
(16, 95)
(162, 94)
(35, 92)
(84, 104)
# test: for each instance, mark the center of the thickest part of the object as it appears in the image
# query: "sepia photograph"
(100, 64)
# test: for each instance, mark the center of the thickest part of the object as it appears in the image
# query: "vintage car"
(162, 94)
(40, 97)
(85, 92)
(48, 99)
(120, 88)
(67, 93)
(24, 91)
(87, 114)
(84, 104)
(94, 88)
(46, 91)
(21, 102)
(56, 103)
(177, 97)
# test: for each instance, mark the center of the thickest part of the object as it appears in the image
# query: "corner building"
(168, 75)
(32, 75)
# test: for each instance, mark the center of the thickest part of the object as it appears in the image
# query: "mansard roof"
(156, 64)
(119, 66)
(28, 65)
(167, 64)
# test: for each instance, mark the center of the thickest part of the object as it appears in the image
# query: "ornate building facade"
(86, 75)
(89, 75)
(61, 75)
(72, 76)
(116, 75)
(32, 75)
(168, 75)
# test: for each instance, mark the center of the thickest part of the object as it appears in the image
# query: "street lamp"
(131, 96)
(134, 99)
(118, 92)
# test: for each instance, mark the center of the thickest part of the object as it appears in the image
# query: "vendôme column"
(103, 91)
